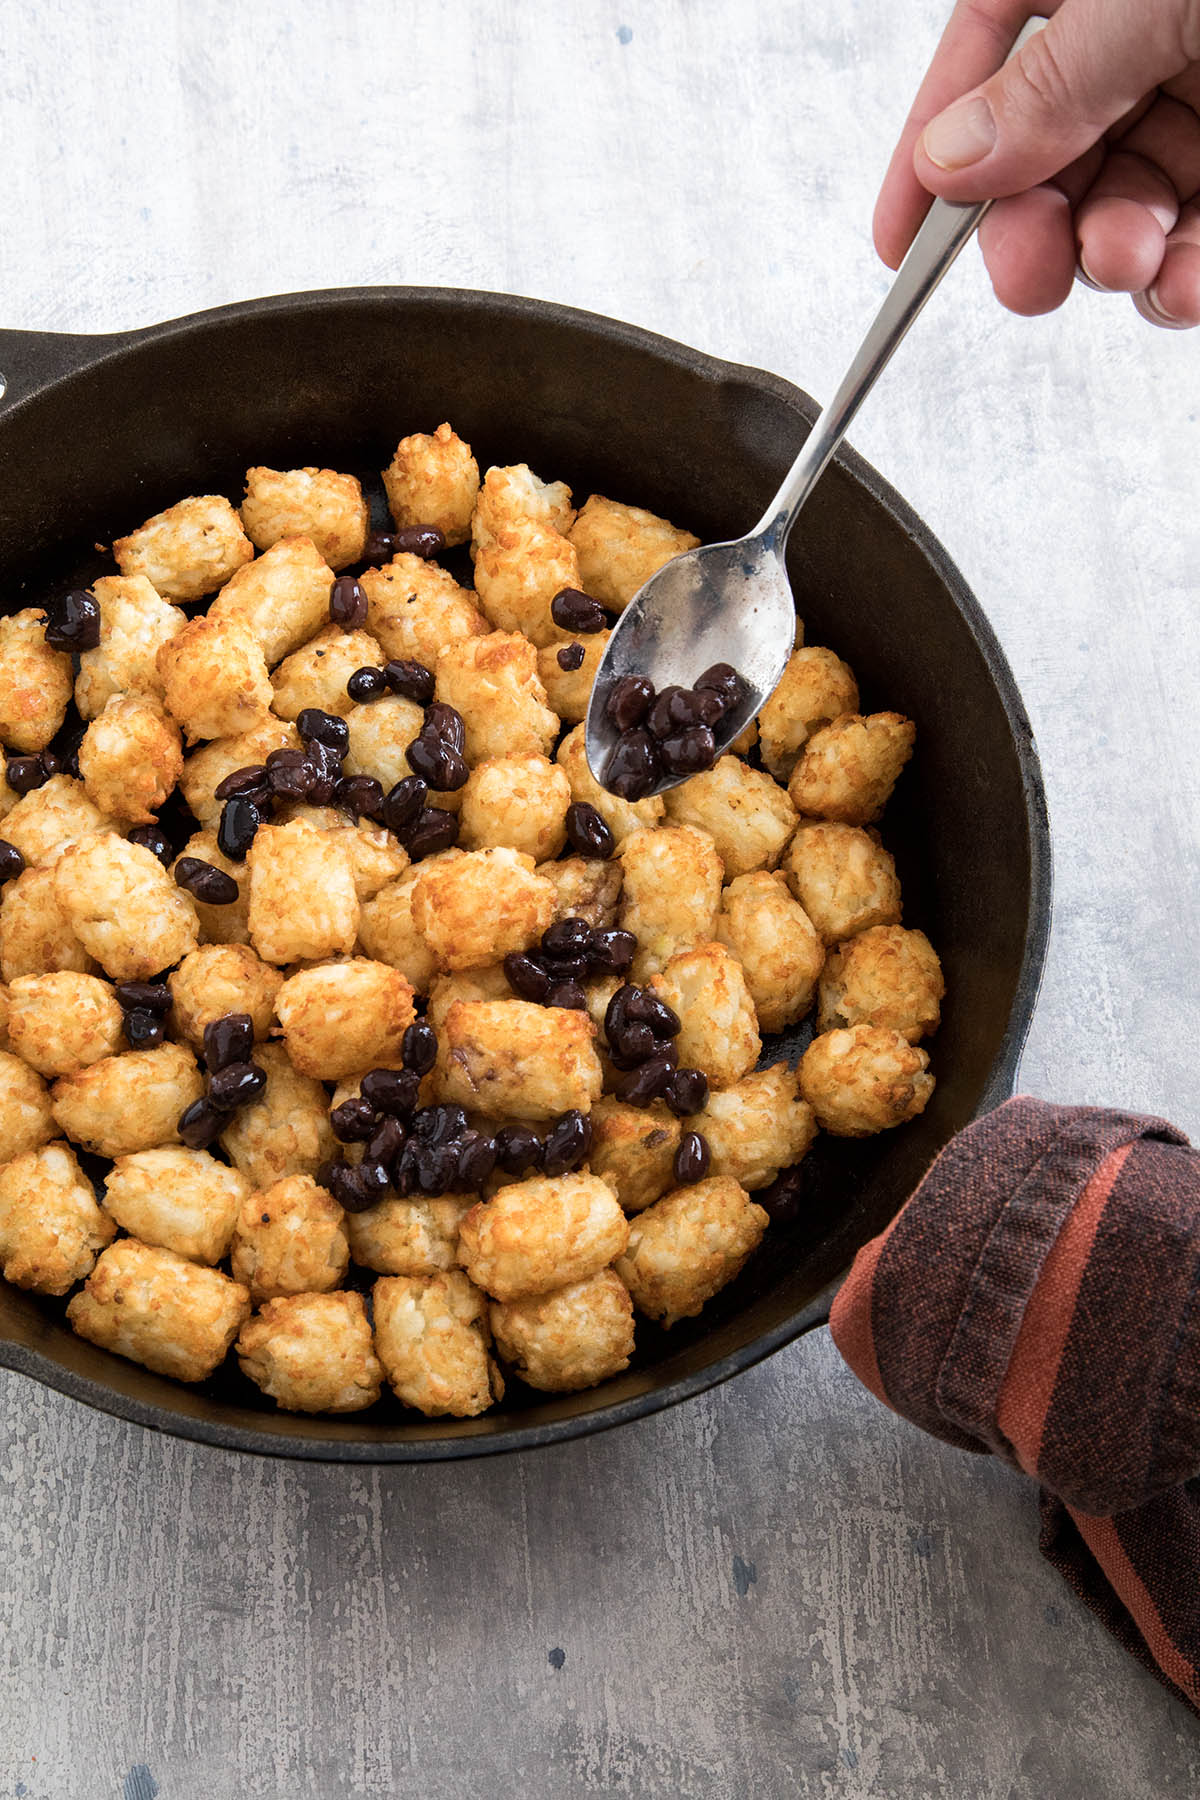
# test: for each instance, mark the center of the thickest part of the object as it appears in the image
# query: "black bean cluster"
(11, 861)
(233, 1080)
(588, 832)
(145, 1006)
(667, 734)
(73, 621)
(24, 773)
(571, 950)
(640, 1028)
(425, 541)
(436, 753)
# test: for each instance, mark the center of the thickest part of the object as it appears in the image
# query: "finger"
(1028, 245)
(1168, 138)
(975, 42)
(1121, 226)
(1173, 300)
(1090, 65)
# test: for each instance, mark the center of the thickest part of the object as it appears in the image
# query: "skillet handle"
(33, 360)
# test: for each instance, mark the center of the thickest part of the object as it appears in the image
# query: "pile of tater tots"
(397, 1049)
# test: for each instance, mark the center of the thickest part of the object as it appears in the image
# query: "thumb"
(1093, 62)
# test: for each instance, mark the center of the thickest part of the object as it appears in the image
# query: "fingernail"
(1160, 312)
(1089, 277)
(961, 135)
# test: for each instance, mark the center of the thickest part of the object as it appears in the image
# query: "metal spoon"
(731, 602)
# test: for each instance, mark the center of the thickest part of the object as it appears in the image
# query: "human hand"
(1092, 134)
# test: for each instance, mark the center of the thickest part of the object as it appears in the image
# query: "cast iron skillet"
(96, 433)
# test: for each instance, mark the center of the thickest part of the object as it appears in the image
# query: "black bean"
(207, 884)
(437, 763)
(418, 1047)
(588, 833)
(229, 1039)
(693, 750)
(200, 1124)
(73, 622)
(144, 1030)
(644, 1007)
(240, 819)
(343, 1182)
(354, 1121)
(360, 795)
(425, 541)
(693, 1158)
(570, 658)
(518, 1149)
(250, 780)
(567, 937)
(723, 680)
(144, 996)
(404, 1169)
(410, 679)
(687, 1093)
(366, 684)
(374, 1177)
(319, 727)
(348, 603)
(236, 1085)
(614, 1012)
(380, 547)
(628, 701)
(678, 708)
(526, 976)
(568, 1143)
(434, 831)
(11, 860)
(611, 952)
(24, 773)
(630, 1045)
(446, 723)
(648, 1082)
(290, 775)
(573, 610)
(782, 1198)
(391, 1091)
(326, 767)
(385, 1143)
(568, 994)
(51, 764)
(70, 738)
(564, 968)
(437, 1167)
(476, 1154)
(155, 841)
(439, 1124)
(632, 768)
(403, 804)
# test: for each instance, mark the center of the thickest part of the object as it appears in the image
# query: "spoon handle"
(946, 229)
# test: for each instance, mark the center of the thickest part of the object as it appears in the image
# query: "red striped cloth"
(1039, 1298)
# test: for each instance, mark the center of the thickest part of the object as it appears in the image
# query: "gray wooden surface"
(779, 1588)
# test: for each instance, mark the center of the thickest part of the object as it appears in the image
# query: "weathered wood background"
(780, 1588)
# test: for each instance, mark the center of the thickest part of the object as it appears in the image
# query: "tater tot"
(864, 1079)
(50, 817)
(63, 1022)
(26, 1114)
(719, 1033)
(466, 984)
(433, 480)
(511, 1059)
(303, 904)
(517, 803)
(848, 769)
(376, 857)
(312, 1353)
(585, 888)
(843, 878)
(688, 1246)
(671, 892)
(569, 690)
(4, 1007)
(621, 816)
(757, 1127)
(314, 503)
(518, 575)
(215, 680)
(570, 1339)
(222, 978)
(36, 936)
(816, 686)
(621, 547)
(128, 1102)
(509, 495)
(380, 734)
(286, 1131)
(35, 682)
(415, 609)
(317, 673)
(344, 1016)
(431, 1332)
(633, 1149)
(205, 769)
(777, 944)
(189, 550)
(282, 597)
(541, 1234)
(388, 933)
(130, 758)
(182, 1200)
(135, 622)
(124, 907)
(174, 1316)
(409, 1237)
(473, 911)
(289, 1238)
(50, 1226)
(885, 976)
(493, 682)
(220, 924)
(748, 816)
